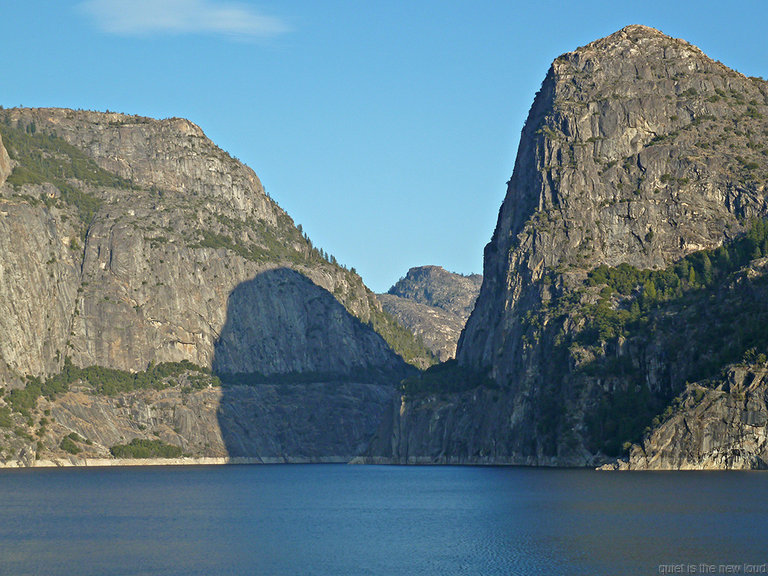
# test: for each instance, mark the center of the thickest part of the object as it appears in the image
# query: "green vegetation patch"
(642, 291)
(445, 378)
(109, 382)
(139, 448)
(23, 400)
(5, 417)
(46, 158)
(698, 314)
(401, 340)
(69, 445)
(642, 334)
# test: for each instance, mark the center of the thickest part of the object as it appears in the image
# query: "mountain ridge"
(188, 188)
(434, 304)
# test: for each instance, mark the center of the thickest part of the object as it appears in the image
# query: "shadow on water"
(303, 379)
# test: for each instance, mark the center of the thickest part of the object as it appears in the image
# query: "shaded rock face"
(317, 422)
(472, 427)
(638, 150)
(712, 429)
(280, 322)
(433, 304)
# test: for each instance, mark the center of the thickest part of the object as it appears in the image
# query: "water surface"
(377, 520)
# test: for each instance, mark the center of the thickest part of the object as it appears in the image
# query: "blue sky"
(387, 129)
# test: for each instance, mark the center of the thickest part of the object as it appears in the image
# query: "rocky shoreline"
(184, 461)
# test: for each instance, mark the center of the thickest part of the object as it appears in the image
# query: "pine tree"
(707, 277)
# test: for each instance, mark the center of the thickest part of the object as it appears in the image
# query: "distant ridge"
(434, 304)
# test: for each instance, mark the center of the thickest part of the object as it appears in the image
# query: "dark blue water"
(357, 520)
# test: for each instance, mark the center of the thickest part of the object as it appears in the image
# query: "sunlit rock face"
(434, 304)
(137, 263)
(638, 151)
(128, 242)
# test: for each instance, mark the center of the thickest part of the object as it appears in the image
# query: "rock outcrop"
(5, 163)
(434, 286)
(639, 158)
(433, 304)
(711, 428)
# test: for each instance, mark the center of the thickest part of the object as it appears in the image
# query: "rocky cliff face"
(138, 253)
(713, 426)
(636, 150)
(5, 163)
(433, 304)
(310, 422)
(126, 242)
(639, 154)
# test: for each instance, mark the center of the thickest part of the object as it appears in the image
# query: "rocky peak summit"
(638, 149)
(617, 268)
(435, 286)
(434, 304)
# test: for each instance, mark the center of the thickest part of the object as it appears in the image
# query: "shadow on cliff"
(303, 379)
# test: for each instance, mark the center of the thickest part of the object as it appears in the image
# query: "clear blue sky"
(388, 129)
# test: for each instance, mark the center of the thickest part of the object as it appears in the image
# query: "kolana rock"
(127, 243)
(616, 270)
(434, 304)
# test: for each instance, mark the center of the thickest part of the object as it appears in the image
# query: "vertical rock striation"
(5, 163)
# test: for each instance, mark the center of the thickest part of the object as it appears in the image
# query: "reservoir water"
(378, 520)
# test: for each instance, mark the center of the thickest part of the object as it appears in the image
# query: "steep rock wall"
(5, 163)
(638, 150)
(138, 268)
